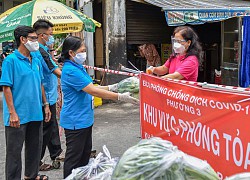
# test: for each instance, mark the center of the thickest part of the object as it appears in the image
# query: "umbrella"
(64, 18)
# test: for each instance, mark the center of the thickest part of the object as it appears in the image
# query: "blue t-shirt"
(77, 111)
(50, 80)
(25, 80)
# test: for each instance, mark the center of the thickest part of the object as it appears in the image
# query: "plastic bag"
(105, 175)
(240, 176)
(158, 159)
(100, 167)
(217, 78)
(131, 85)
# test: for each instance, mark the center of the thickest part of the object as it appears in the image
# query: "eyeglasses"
(33, 38)
(178, 40)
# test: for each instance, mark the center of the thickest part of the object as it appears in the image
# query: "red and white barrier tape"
(214, 86)
(204, 85)
(111, 71)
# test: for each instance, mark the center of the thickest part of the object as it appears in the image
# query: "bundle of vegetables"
(240, 176)
(100, 168)
(131, 85)
(158, 159)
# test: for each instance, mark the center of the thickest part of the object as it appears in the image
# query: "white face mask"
(179, 48)
(80, 58)
(32, 46)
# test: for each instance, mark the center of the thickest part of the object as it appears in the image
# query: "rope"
(111, 71)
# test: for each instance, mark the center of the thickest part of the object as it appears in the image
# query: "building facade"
(7, 4)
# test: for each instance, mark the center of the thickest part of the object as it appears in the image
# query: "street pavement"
(117, 126)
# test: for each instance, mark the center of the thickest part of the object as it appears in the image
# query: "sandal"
(60, 157)
(41, 177)
(45, 167)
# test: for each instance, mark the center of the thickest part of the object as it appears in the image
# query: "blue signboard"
(181, 17)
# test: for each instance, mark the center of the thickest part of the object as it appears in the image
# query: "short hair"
(22, 31)
(70, 43)
(42, 24)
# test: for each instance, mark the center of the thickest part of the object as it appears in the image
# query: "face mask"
(178, 48)
(80, 58)
(32, 46)
(50, 41)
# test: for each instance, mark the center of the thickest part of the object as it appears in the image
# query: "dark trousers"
(79, 145)
(51, 135)
(31, 134)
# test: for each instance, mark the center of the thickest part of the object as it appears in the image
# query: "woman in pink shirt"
(184, 62)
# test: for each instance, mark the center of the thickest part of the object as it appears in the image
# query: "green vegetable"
(158, 159)
(129, 85)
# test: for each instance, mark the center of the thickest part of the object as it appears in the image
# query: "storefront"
(131, 23)
(146, 24)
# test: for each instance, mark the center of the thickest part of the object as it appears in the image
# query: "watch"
(46, 103)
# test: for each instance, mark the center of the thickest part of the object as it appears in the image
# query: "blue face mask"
(50, 41)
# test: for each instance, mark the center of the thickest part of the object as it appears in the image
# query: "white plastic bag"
(102, 167)
(240, 176)
(130, 84)
(159, 160)
(105, 175)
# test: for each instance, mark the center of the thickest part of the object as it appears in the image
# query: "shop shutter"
(146, 24)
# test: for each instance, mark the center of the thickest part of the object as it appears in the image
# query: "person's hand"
(150, 70)
(47, 113)
(164, 77)
(14, 120)
(113, 87)
(61, 130)
(125, 97)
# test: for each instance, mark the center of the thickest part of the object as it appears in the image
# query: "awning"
(180, 12)
(140, 1)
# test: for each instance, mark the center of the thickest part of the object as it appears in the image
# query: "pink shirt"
(187, 67)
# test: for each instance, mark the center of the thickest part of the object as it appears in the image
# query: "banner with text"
(201, 16)
(210, 124)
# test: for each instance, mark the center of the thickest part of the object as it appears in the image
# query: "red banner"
(213, 125)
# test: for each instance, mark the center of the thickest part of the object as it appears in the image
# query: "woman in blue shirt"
(77, 115)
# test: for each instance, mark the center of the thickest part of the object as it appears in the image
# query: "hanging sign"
(181, 17)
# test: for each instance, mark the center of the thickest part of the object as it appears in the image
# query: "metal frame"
(239, 28)
(239, 46)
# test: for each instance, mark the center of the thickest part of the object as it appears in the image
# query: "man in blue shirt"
(51, 71)
(22, 105)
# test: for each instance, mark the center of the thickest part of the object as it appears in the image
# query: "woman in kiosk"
(183, 64)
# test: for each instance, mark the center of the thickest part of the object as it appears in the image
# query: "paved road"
(116, 125)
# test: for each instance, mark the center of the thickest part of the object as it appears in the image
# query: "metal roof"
(200, 4)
